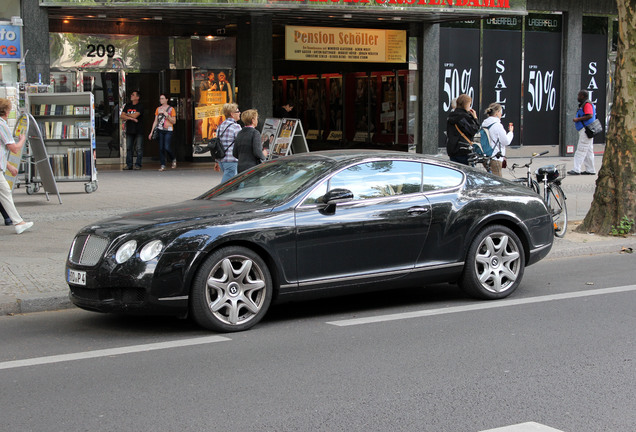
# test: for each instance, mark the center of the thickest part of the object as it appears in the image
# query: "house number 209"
(100, 50)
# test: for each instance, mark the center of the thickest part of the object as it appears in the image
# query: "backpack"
(216, 147)
(487, 147)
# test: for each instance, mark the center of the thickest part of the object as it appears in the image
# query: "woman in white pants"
(8, 144)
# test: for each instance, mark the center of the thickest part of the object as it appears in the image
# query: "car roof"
(353, 156)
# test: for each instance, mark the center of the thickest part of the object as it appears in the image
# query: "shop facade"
(532, 56)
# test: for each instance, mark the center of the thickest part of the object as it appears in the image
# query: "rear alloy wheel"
(231, 291)
(494, 264)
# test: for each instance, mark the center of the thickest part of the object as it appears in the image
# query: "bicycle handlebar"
(527, 165)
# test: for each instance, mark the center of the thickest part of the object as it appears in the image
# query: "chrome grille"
(87, 249)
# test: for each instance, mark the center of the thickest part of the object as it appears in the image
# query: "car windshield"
(270, 183)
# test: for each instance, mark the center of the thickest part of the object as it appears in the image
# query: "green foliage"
(624, 227)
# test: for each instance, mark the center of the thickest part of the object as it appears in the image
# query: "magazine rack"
(66, 130)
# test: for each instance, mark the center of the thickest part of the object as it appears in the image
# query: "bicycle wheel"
(556, 204)
(536, 188)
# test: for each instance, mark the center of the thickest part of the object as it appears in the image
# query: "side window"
(375, 180)
(437, 177)
(315, 196)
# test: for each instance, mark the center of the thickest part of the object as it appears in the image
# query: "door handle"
(418, 210)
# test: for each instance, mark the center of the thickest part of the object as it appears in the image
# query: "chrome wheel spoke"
(497, 263)
(236, 290)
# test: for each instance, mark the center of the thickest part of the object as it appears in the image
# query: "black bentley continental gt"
(314, 223)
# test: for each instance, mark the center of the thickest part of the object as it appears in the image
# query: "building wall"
(588, 6)
(36, 40)
(10, 8)
(255, 56)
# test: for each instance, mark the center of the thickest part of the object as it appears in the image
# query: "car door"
(377, 234)
(442, 187)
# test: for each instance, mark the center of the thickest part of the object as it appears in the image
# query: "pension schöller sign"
(345, 44)
(477, 6)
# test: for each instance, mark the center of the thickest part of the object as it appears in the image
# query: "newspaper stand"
(63, 138)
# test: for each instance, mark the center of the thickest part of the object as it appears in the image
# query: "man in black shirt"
(133, 114)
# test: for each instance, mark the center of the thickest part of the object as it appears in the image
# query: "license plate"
(76, 277)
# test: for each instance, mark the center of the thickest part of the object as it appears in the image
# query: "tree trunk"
(615, 194)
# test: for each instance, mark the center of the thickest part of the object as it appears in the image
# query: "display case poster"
(213, 90)
(594, 76)
(270, 130)
(392, 99)
(542, 88)
(284, 138)
(501, 78)
(459, 70)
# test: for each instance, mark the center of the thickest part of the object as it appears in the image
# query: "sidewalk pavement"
(32, 264)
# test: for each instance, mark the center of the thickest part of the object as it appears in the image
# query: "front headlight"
(125, 251)
(151, 250)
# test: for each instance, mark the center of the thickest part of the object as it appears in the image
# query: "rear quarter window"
(438, 177)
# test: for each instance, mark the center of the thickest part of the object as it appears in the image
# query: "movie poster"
(284, 138)
(269, 132)
(214, 88)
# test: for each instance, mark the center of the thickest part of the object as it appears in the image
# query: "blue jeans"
(165, 136)
(228, 169)
(138, 141)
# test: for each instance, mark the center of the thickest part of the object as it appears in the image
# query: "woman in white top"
(499, 138)
(165, 118)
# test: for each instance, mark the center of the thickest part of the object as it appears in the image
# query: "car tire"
(494, 264)
(231, 291)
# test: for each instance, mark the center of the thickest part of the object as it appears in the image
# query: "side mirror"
(333, 197)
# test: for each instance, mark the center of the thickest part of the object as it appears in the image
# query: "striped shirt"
(6, 137)
(227, 132)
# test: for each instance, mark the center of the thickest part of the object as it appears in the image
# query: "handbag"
(593, 128)
(469, 143)
(504, 163)
(155, 134)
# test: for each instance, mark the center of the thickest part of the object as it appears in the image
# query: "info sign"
(10, 42)
(332, 44)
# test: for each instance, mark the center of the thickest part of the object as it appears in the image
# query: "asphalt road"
(560, 352)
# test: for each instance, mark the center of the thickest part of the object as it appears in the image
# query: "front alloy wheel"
(231, 291)
(494, 264)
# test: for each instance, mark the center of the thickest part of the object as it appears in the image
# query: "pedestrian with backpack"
(493, 137)
(227, 132)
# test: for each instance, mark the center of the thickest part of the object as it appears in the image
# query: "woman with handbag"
(227, 132)
(498, 137)
(461, 127)
(248, 148)
(165, 118)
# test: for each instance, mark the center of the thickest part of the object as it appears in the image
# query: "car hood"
(181, 216)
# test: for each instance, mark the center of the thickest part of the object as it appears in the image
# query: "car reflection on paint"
(314, 223)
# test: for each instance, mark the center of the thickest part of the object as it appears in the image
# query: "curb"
(35, 303)
(570, 249)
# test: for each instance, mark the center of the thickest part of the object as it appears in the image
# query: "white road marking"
(480, 306)
(111, 352)
(524, 427)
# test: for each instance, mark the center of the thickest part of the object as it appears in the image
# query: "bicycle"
(477, 156)
(550, 176)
